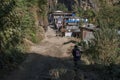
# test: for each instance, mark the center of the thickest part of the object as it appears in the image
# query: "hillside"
(19, 28)
(30, 49)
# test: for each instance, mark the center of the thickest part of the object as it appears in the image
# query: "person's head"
(75, 46)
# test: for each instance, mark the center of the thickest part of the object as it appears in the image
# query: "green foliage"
(109, 14)
(31, 1)
(28, 25)
(29, 29)
(61, 7)
(42, 6)
(103, 49)
(10, 27)
(10, 36)
(16, 22)
(80, 12)
(89, 13)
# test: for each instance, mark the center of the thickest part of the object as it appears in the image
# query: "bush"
(103, 49)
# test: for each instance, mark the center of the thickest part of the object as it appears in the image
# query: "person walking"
(76, 55)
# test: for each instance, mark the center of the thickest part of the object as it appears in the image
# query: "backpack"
(77, 53)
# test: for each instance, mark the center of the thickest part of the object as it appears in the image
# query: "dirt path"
(52, 46)
(44, 58)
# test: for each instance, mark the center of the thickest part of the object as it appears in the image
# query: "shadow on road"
(39, 67)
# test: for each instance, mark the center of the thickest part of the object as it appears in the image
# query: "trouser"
(76, 60)
(75, 63)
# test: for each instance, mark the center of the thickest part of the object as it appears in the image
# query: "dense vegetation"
(10, 36)
(18, 22)
(104, 49)
(106, 42)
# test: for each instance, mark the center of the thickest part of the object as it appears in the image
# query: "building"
(70, 22)
(56, 14)
(87, 31)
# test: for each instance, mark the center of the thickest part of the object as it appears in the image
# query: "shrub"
(103, 49)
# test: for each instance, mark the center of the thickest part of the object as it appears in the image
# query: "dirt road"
(52, 46)
(45, 59)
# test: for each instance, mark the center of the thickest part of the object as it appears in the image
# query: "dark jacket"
(76, 54)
